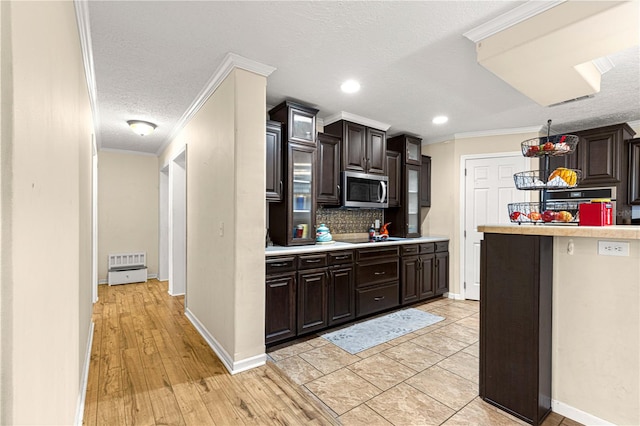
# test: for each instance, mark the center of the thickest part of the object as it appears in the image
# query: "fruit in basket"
(535, 216)
(532, 151)
(567, 175)
(514, 216)
(548, 216)
(564, 216)
(547, 146)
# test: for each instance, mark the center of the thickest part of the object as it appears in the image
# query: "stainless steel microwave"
(364, 190)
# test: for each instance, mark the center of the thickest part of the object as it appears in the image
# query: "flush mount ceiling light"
(142, 128)
(350, 86)
(546, 50)
(440, 119)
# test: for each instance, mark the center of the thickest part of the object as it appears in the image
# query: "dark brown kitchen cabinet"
(274, 161)
(603, 157)
(312, 300)
(515, 324)
(441, 272)
(394, 172)
(280, 307)
(634, 171)
(328, 167)
(425, 182)
(292, 221)
(364, 149)
(341, 297)
(419, 279)
(298, 122)
(405, 219)
(377, 279)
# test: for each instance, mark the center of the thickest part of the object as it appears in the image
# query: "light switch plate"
(613, 248)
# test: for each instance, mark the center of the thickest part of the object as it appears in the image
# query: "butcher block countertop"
(625, 232)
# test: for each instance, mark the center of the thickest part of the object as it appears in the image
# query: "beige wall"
(46, 200)
(127, 207)
(596, 330)
(443, 218)
(225, 181)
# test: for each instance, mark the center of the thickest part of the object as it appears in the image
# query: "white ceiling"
(152, 59)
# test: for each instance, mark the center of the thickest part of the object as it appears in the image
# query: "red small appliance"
(596, 213)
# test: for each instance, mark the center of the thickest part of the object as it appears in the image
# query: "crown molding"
(84, 32)
(509, 19)
(230, 62)
(127, 151)
(498, 132)
(342, 115)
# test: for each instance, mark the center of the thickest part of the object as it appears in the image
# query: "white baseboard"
(175, 294)
(84, 379)
(454, 296)
(576, 414)
(233, 367)
(150, 276)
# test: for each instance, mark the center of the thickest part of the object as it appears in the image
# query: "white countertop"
(280, 250)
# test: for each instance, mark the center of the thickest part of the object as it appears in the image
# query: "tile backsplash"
(348, 221)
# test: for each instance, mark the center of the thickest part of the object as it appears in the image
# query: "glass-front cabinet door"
(302, 126)
(414, 151)
(413, 201)
(301, 200)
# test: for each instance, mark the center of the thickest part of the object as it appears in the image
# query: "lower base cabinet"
(312, 300)
(306, 293)
(280, 318)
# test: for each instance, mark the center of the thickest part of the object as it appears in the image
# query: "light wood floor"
(150, 366)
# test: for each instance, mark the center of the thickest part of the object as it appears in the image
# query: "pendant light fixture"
(140, 127)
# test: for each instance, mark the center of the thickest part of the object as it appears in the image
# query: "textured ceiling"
(153, 58)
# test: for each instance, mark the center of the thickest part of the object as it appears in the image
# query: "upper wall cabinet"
(394, 172)
(274, 162)
(364, 149)
(299, 122)
(328, 167)
(425, 182)
(634, 171)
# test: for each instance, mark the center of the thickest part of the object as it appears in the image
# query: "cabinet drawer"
(410, 249)
(442, 246)
(427, 248)
(376, 253)
(340, 257)
(312, 261)
(275, 265)
(369, 273)
(375, 299)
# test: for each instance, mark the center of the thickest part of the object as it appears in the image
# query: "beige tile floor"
(428, 377)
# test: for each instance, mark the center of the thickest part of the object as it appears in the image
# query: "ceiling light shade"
(441, 119)
(142, 128)
(350, 86)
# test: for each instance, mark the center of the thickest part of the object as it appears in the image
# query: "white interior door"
(488, 188)
(178, 225)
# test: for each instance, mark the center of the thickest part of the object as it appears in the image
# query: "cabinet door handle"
(342, 257)
(312, 261)
(278, 265)
(379, 298)
(281, 187)
(338, 186)
(379, 273)
(278, 285)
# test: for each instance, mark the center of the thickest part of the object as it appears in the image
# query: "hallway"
(150, 366)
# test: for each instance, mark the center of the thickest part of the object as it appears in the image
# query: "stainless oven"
(364, 190)
(569, 199)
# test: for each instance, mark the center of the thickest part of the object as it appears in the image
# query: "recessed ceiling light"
(142, 128)
(441, 119)
(350, 86)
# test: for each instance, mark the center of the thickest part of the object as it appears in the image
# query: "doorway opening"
(178, 224)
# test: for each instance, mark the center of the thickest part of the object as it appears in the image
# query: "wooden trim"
(84, 379)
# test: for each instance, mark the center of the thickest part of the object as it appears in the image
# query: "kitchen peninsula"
(560, 323)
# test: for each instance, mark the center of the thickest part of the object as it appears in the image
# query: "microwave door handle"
(383, 187)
